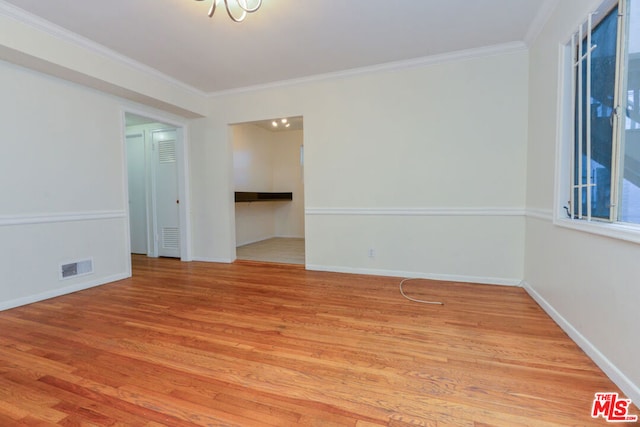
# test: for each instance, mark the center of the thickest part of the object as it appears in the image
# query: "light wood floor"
(250, 344)
(278, 249)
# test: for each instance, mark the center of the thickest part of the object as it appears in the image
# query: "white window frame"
(565, 142)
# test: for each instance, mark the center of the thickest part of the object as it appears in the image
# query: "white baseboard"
(6, 305)
(262, 239)
(416, 275)
(618, 377)
(205, 259)
(250, 242)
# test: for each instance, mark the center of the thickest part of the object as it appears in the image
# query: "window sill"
(626, 232)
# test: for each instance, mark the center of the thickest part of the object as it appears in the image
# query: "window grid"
(582, 180)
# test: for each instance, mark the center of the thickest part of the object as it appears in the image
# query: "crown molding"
(460, 55)
(20, 15)
(540, 20)
(33, 21)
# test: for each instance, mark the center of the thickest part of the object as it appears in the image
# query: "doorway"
(153, 165)
(268, 159)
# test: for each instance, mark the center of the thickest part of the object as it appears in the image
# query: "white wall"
(63, 197)
(588, 283)
(434, 151)
(212, 191)
(288, 177)
(253, 158)
(62, 192)
(28, 42)
(267, 161)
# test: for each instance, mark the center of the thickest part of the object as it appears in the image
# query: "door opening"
(267, 158)
(152, 171)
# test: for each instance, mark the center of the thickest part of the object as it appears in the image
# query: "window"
(604, 182)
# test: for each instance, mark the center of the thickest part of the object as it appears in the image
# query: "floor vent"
(76, 268)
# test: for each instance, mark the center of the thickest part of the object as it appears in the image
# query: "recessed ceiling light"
(274, 124)
(283, 121)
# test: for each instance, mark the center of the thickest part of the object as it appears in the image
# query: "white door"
(137, 174)
(166, 193)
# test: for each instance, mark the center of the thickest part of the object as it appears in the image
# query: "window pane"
(630, 196)
(602, 86)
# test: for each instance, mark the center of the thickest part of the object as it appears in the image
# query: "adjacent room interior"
(268, 160)
(152, 176)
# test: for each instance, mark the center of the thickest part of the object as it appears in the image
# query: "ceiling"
(283, 124)
(288, 39)
(294, 123)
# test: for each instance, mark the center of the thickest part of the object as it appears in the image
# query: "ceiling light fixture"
(241, 4)
(283, 122)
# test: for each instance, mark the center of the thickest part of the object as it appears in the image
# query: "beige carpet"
(277, 249)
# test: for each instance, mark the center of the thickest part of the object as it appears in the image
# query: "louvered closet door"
(166, 193)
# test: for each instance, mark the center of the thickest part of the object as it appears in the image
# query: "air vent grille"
(76, 268)
(171, 238)
(167, 151)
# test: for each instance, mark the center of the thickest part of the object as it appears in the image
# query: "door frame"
(231, 148)
(145, 184)
(182, 165)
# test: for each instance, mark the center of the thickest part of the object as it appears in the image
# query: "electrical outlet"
(372, 253)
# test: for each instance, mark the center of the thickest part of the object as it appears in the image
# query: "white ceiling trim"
(460, 55)
(61, 33)
(543, 15)
(33, 21)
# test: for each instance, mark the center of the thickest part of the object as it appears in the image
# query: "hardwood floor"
(285, 250)
(249, 344)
